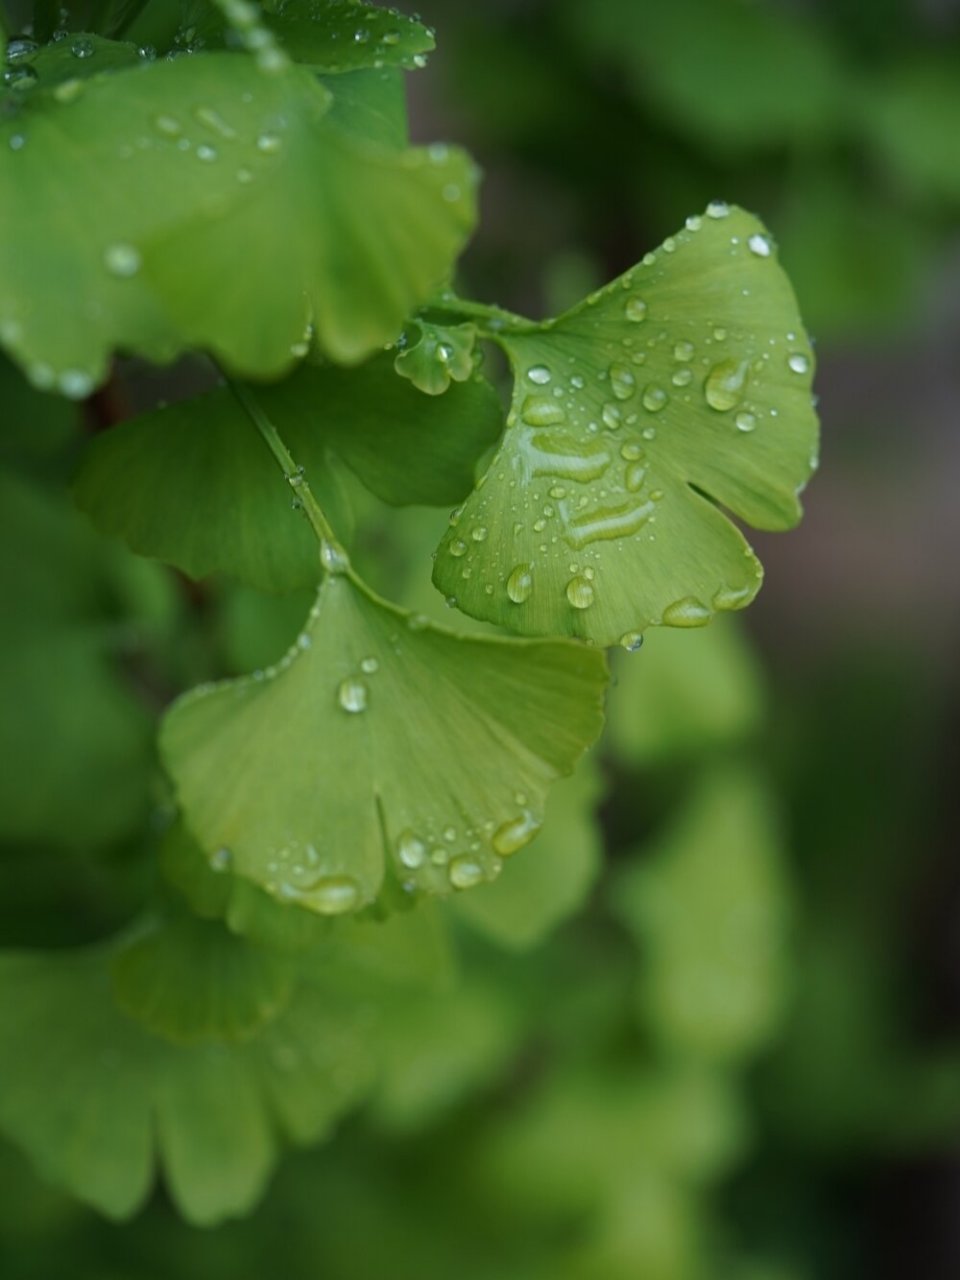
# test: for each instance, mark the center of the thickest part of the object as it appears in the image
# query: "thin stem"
(497, 319)
(294, 474)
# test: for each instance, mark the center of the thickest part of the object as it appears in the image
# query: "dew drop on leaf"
(745, 421)
(465, 872)
(352, 695)
(539, 374)
(688, 612)
(635, 309)
(580, 592)
(798, 362)
(654, 398)
(411, 850)
(724, 385)
(511, 836)
(631, 641)
(335, 894)
(760, 245)
(122, 260)
(520, 583)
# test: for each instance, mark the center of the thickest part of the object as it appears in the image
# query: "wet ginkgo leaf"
(435, 355)
(380, 748)
(173, 171)
(680, 389)
(194, 485)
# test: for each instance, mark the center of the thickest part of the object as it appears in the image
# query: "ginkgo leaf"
(680, 389)
(380, 747)
(554, 877)
(708, 907)
(194, 485)
(98, 1102)
(171, 171)
(190, 979)
(337, 35)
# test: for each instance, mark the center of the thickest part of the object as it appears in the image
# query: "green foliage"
(313, 804)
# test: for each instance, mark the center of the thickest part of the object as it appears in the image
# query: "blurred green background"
(742, 1061)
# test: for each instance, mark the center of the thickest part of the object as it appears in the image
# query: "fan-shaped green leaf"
(194, 485)
(708, 907)
(680, 388)
(169, 173)
(379, 747)
(190, 979)
(97, 1101)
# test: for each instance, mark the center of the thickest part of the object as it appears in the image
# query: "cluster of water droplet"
(582, 451)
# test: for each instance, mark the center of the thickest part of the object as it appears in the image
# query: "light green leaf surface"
(380, 746)
(194, 485)
(437, 354)
(554, 876)
(189, 979)
(680, 389)
(707, 904)
(684, 693)
(98, 1102)
(151, 187)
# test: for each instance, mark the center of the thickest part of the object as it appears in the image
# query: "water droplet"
(760, 245)
(631, 452)
(682, 377)
(580, 592)
(541, 411)
(168, 125)
(352, 695)
(220, 859)
(604, 524)
(798, 362)
(635, 309)
(718, 209)
(411, 850)
(215, 121)
(688, 612)
(122, 259)
(457, 548)
(611, 416)
(512, 835)
(631, 641)
(465, 872)
(82, 48)
(333, 558)
(391, 37)
(335, 894)
(479, 534)
(539, 374)
(75, 383)
(684, 351)
(731, 597)
(370, 666)
(520, 583)
(206, 153)
(634, 476)
(555, 454)
(21, 49)
(654, 398)
(724, 386)
(21, 76)
(268, 143)
(622, 382)
(745, 421)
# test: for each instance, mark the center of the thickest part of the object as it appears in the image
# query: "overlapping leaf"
(194, 485)
(681, 388)
(380, 747)
(212, 205)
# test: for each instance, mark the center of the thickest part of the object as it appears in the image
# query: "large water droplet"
(725, 382)
(688, 612)
(718, 209)
(611, 416)
(511, 836)
(82, 48)
(542, 411)
(654, 398)
(684, 351)
(798, 362)
(622, 382)
(760, 245)
(731, 597)
(520, 583)
(556, 454)
(635, 309)
(370, 666)
(465, 872)
(352, 695)
(539, 374)
(602, 525)
(580, 592)
(333, 558)
(411, 850)
(631, 641)
(21, 49)
(634, 476)
(457, 548)
(335, 894)
(745, 421)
